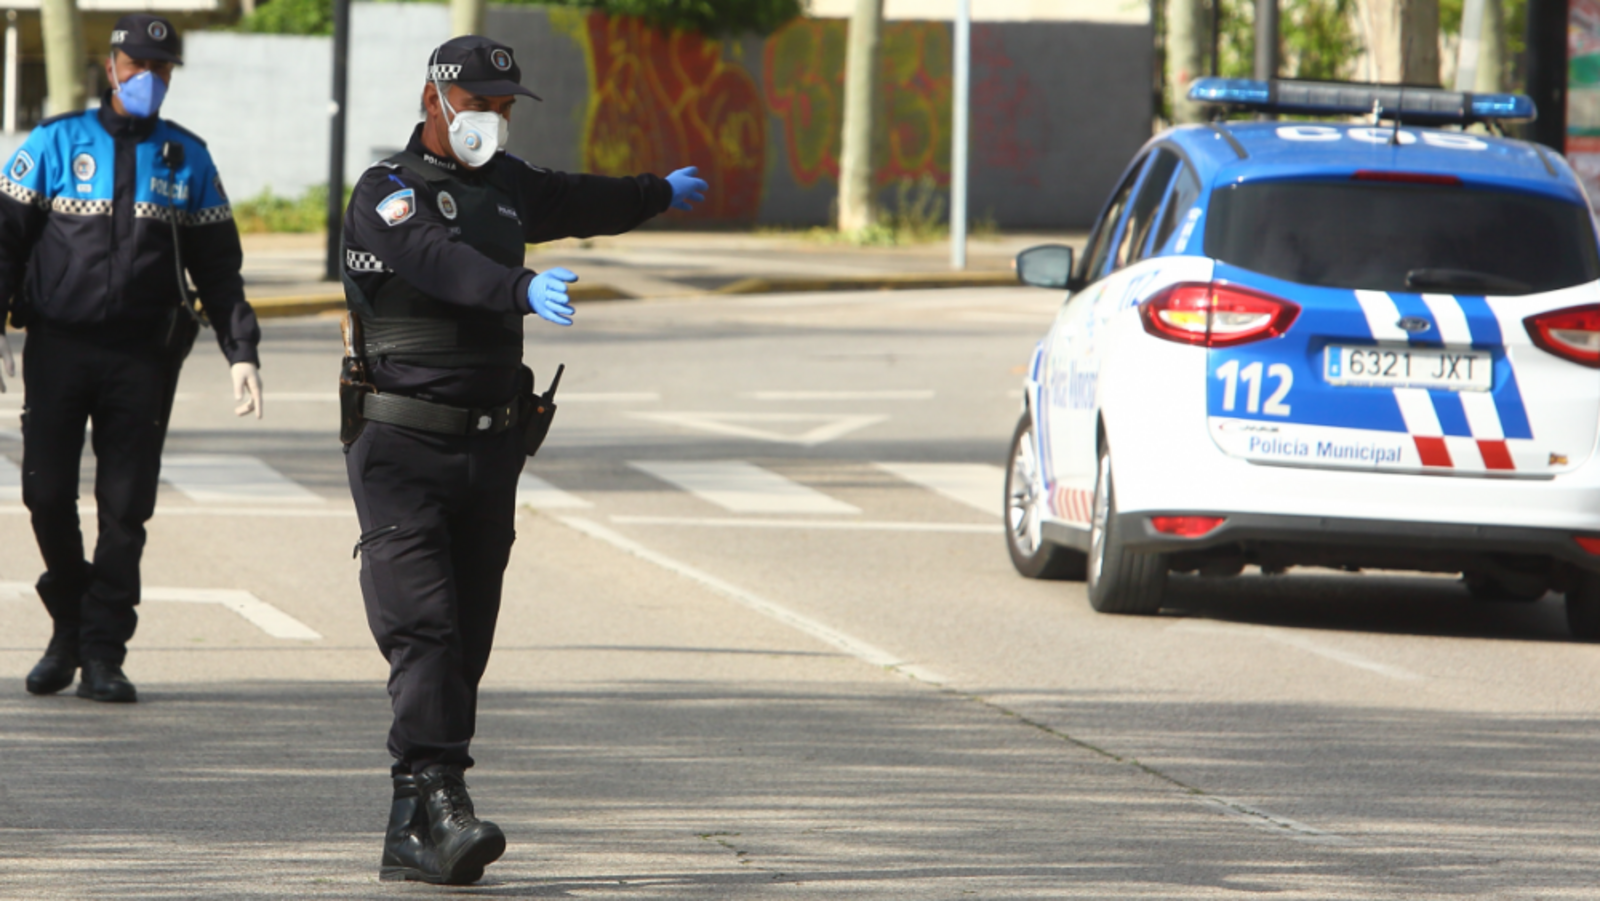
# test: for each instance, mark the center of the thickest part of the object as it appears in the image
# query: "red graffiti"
(1002, 100)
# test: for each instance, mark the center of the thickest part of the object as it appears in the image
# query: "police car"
(1349, 344)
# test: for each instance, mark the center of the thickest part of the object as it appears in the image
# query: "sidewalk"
(283, 273)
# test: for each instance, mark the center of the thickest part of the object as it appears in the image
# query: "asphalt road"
(761, 639)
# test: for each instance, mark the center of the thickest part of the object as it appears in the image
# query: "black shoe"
(103, 681)
(464, 844)
(55, 669)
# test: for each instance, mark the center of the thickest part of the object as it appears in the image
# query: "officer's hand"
(246, 377)
(687, 189)
(547, 295)
(10, 362)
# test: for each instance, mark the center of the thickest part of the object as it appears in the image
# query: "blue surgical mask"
(142, 94)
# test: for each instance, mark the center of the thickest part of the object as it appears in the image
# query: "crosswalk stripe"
(742, 487)
(979, 485)
(10, 481)
(535, 492)
(252, 609)
(231, 478)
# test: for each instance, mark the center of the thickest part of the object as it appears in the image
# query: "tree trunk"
(1188, 36)
(466, 17)
(1402, 40)
(64, 62)
(856, 207)
(1492, 50)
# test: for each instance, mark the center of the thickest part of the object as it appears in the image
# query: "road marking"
(10, 481)
(855, 647)
(1273, 822)
(535, 492)
(1301, 642)
(738, 425)
(742, 487)
(839, 395)
(980, 485)
(607, 397)
(230, 478)
(255, 611)
(184, 510)
(819, 524)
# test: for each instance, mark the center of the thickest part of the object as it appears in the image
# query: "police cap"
(143, 36)
(484, 67)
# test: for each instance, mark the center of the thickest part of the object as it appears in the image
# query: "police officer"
(439, 415)
(101, 213)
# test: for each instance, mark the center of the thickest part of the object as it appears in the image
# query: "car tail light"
(1415, 178)
(1571, 334)
(1188, 526)
(1216, 314)
(1590, 543)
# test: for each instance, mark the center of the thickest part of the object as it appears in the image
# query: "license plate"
(1409, 367)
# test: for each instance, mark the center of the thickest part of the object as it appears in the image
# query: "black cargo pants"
(437, 519)
(124, 385)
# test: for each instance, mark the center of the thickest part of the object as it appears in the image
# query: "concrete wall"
(1058, 107)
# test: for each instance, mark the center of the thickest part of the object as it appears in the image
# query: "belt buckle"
(484, 422)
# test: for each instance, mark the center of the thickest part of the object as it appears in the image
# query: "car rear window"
(1402, 237)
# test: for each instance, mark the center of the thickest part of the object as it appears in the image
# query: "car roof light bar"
(1422, 106)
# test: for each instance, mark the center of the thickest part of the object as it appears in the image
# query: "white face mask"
(475, 137)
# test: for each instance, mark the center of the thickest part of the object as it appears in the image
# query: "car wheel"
(1120, 580)
(1583, 607)
(1026, 503)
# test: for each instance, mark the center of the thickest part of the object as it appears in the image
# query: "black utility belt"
(444, 419)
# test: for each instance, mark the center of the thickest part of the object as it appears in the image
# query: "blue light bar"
(1423, 106)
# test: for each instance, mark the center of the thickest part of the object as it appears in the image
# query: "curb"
(313, 304)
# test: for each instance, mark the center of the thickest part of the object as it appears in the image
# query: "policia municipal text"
(439, 414)
(101, 214)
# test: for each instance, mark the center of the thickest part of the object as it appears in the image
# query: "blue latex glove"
(687, 189)
(547, 295)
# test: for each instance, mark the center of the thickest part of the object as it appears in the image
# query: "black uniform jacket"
(87, 207)
(425, 249)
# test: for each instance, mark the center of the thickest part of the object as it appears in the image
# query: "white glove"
(245, 376)
(10, 362)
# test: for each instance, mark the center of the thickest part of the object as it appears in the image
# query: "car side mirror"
(1045, 266)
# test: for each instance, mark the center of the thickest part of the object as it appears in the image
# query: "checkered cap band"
(444, 72)
(119, 36)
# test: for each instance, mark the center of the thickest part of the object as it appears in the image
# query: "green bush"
(268, 212)
(716, 18)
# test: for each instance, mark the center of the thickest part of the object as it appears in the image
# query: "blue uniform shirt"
(86, 237)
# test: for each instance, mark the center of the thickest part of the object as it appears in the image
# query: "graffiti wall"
(1058, 107)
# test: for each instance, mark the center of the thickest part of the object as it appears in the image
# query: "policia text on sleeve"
(439, 415)
(103, 216)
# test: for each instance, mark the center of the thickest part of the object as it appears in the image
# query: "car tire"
(1583, 607)
(1120, 580)
(1026, 502)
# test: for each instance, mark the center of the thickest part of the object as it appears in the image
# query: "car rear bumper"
(1371, 543)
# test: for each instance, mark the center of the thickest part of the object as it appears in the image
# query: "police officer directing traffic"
(101, 214)
(439, 414)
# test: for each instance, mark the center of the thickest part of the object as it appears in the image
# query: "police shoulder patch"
(398, 207)
(21, 166)
(447, 205)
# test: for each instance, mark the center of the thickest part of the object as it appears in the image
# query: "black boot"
(55, 669)
(408, 853)
(104, 681)
(464, 843)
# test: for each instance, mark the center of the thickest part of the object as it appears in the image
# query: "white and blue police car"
(1367, 344)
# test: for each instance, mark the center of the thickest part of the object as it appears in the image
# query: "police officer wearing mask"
(439, 414)
(100, 213)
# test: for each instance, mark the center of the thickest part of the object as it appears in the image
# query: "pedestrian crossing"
(245, 483)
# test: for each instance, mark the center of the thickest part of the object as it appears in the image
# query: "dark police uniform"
(438, 291)
(87, 266)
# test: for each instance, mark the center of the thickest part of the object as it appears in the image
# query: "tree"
(63, 55)
(856, 207)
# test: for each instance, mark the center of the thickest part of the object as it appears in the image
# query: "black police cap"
(484, 67)
(143, 36)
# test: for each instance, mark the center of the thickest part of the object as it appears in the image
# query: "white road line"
(1273, 822)
(535, 492)
(855, 647)
(979, 485)
(839, 395)
(607, 397)
(1301, 642)
(742, 487)
(841, 525)
(751, 425)
(10, 481)
(255, 611)
(231, 478)
(170, 510)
